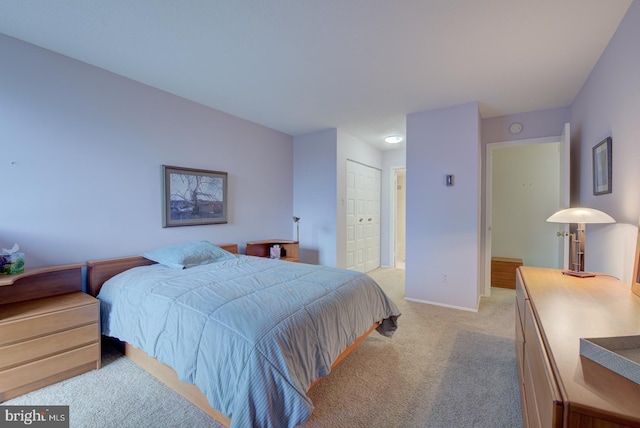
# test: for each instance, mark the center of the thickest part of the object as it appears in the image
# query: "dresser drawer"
(523, 405)
(540, 383)
(521, 297)
(18, 330)
(530, 408)
(42, 347)
(519, 343)
(25, 378)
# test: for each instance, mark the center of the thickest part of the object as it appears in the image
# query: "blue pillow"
(188, 255)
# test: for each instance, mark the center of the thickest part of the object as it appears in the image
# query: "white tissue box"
(275, 252)
(12, 263)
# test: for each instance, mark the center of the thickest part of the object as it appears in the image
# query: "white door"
(372, 217)
(352, 219)
(565, 188)
(355, 218)
(363, 217)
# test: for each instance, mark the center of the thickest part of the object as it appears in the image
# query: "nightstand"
(290, 249)
(49, 329)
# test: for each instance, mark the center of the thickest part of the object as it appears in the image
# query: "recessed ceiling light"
(393, 139)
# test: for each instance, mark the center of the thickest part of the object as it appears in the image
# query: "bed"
(242, 337)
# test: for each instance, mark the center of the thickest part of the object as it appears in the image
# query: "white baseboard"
(462, 308)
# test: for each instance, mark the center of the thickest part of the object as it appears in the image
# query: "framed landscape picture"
(602, 167)
(193, 196)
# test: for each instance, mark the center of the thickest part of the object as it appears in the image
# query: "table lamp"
(581, 216)
(296, 220)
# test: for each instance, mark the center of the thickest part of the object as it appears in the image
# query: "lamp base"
(579, 274)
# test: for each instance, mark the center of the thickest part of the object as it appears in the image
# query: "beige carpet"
(443, 368)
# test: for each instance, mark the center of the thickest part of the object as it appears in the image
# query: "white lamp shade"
(580, 215)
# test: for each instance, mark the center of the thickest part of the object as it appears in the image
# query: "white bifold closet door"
(363, 217)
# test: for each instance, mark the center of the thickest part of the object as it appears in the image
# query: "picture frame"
(193, 196)
(602, 171)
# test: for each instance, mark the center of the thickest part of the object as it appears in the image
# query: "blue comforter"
(251, 333)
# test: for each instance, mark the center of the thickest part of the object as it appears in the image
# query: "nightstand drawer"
(49, 329)
(42, 347)
(25, 378)
(27, 328)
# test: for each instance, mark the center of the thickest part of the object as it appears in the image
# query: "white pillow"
(188, 255)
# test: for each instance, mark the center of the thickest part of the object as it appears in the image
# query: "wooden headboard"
(98, 271)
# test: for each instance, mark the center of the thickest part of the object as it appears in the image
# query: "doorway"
(524, 193)
(517, 218)
(398, 218)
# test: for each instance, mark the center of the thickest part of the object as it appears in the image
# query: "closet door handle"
(361, 220)
(370, 219)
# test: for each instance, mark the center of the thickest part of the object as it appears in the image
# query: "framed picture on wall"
(193, 196)
(602, 167)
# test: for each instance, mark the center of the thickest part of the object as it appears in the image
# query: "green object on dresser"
(12, 263)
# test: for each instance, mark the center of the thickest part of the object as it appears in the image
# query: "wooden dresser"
(49, 329)
(559, 387)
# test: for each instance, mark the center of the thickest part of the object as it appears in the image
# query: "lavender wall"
(536, 124)
(608, 104)
(315, 178)
(443, 222)
(81, 154)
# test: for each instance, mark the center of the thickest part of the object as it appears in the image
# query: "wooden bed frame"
(99, 271)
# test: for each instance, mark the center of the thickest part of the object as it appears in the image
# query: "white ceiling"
(300, 66)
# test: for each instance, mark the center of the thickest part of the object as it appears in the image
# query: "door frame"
(488, 200)
(393, 185)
